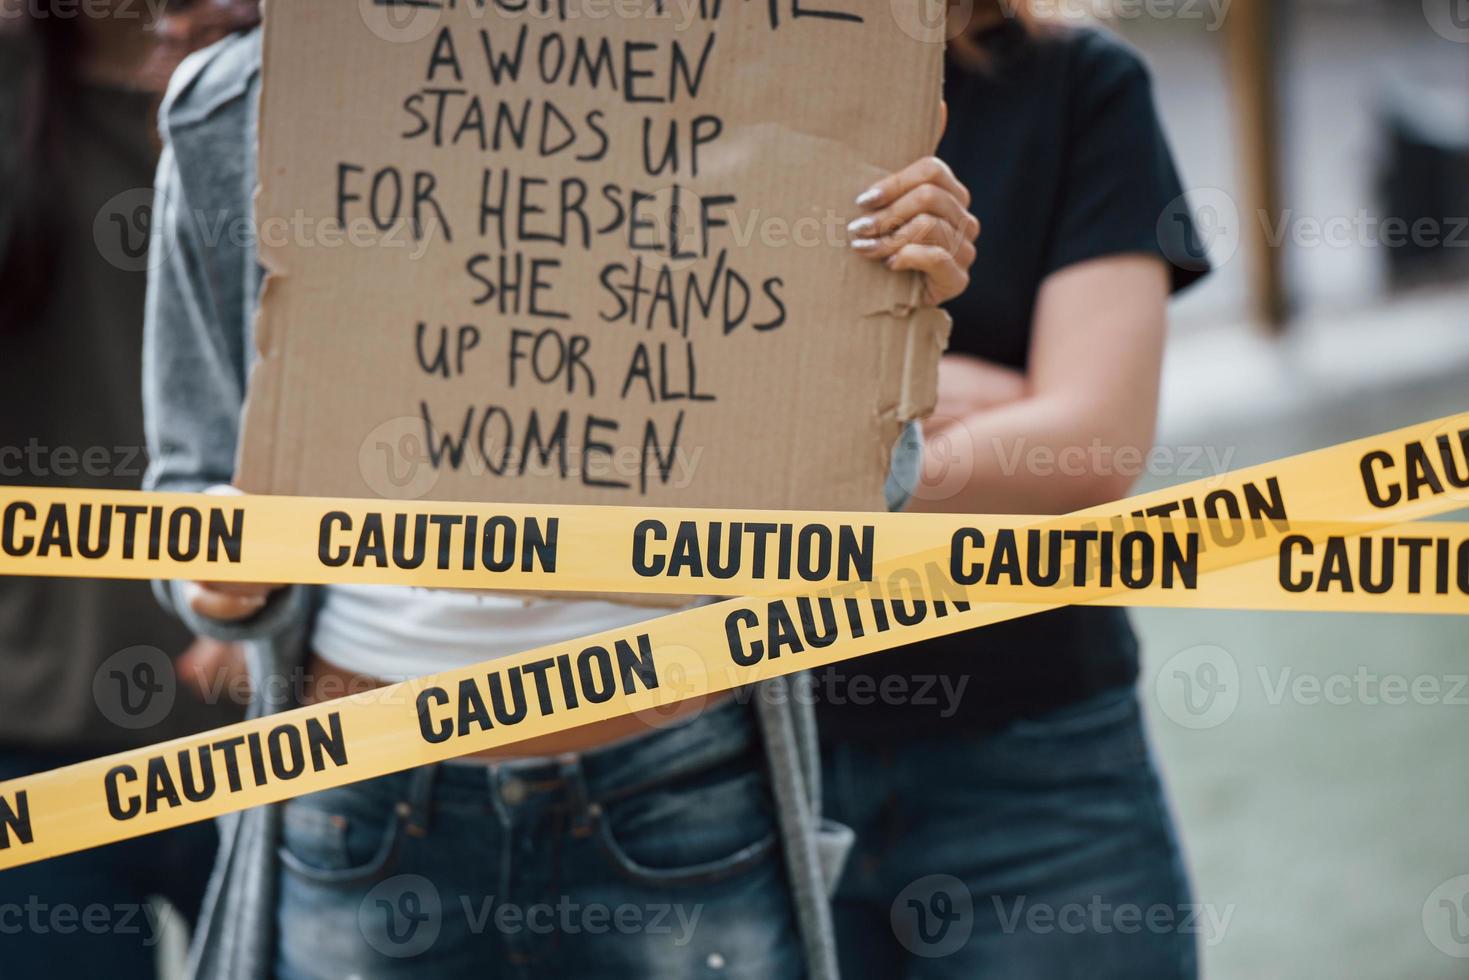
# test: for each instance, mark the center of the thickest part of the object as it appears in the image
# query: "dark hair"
(30, 250)
(46, 92)
(967, 46)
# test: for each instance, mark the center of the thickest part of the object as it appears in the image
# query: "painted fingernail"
(891, 262)
(862, 226)
(864, 244)
(870, 196)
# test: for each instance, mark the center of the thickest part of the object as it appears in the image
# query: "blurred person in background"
(85, 665)
(1010, 771)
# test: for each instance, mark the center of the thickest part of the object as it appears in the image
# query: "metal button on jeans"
(513, 791)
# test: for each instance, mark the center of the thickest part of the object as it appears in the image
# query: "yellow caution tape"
(1327, 530)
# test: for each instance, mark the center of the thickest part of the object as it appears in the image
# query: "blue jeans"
(1043, 851)
(92, 907)
(655, 858)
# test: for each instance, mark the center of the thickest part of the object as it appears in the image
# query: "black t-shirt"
(1058, 139)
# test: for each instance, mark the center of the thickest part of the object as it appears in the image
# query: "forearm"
(193, 386)
(1037, 455)
(1079, 431)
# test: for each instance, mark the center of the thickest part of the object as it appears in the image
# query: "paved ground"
(1321, 818)
(1331, 829)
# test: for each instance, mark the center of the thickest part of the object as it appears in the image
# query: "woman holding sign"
(610, 850)
(1009, 819)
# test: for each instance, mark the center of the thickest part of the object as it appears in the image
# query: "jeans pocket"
(834, 843)
(339, 836)
(690, 834)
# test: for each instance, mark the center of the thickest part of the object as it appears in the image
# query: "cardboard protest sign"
(587, 252)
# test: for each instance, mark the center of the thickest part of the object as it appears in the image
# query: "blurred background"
(1320, 793)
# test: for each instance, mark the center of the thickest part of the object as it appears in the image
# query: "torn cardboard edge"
(254, 462)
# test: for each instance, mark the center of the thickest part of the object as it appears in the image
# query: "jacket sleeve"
(194, 375)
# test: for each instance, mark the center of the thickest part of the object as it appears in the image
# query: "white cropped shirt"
(395, 632)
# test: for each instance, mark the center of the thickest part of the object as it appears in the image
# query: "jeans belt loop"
(417, 809)
(583, 810)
